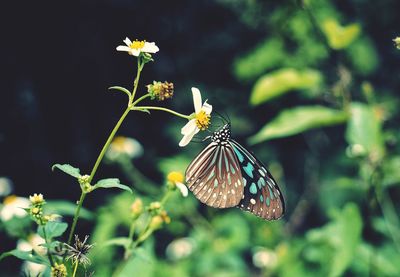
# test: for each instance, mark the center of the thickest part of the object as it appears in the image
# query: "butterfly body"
(225, 175)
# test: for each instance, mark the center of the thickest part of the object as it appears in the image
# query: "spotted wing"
(214, 176)
(262, 195)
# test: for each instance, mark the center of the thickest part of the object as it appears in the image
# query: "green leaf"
(342, 235)
(282, 81)
(66, 208)
(52, 229)
(297, 120)
(111, 183)
(26, 256)
(365, 129)
(66, 168)
(121, 241)
(338, 36)
(124, 90)
(264, 56)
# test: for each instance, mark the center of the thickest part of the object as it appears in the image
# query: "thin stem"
(161, 109)
(141, 98)
(136, 82)
(47, 242)
(76, 216)
(165, 197)
(75, 268)
(107, 144)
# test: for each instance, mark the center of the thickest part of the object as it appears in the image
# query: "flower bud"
(156, 222)
(58, 270)
(161, 91)
(36, 199)
(137, 208)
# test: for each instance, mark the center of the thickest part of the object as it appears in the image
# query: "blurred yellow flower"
(136, 47)
(13, 206)
(176, 178)
(124, 146)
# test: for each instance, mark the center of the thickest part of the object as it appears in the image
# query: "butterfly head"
(222, 134)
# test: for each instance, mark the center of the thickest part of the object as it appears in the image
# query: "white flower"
(180, 248)
(14, 206)
(265, 258)
(182, 188)
(5, 186)
(33, 242)
(200, 121)
(33, 269)
(176, 178)
(124, 146)
(136, 47)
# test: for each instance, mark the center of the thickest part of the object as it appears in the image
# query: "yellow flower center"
(137, 44)
(175, 177)
(202, 120)
(9, 199)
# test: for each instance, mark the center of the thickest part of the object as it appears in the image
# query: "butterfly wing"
(214, 176)
(262, 195)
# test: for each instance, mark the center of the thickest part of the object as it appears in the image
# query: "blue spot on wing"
(238, 154)
(253, 188)
(249, 169)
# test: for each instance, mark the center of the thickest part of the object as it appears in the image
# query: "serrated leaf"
(124, 90)
(69, 169)
(52, 229)
(338, 36)
(121, 241)
(365, 129)
(66, 208)
(282, 81)
(297, 120)
(111, 183)
(26, 256)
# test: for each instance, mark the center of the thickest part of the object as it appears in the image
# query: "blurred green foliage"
(313, 63)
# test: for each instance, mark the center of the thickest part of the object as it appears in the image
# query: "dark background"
(59, 58)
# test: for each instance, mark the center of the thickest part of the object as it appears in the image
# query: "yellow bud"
(36, 199)
(155, 205)
(137, 207)
(58, 270)
(175, 177)
(156, 222)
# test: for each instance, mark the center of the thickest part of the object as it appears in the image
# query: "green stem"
(107, 144)
(161, 109)
(75, 268)
(165, 197)
(136, 82)
(76, 216)
(141, 98)
(48, 250)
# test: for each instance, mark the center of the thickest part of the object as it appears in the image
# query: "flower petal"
(196, 99)
(188, 137)
(135, 52)
(123, 48)
(207, 108)
(127, 41)
(183, 189)
(189, 127)
(150, 47)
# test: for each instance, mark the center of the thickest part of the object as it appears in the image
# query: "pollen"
(175, 177)
(202, 120)
(137, 44)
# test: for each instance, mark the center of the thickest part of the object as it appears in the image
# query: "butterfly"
(225, 174)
